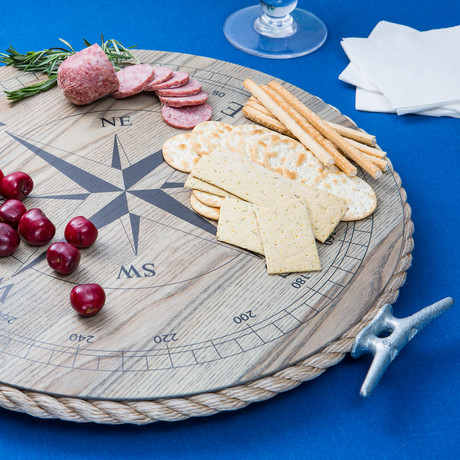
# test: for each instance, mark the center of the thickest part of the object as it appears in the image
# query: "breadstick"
(339, 159)
(380, 162)
(253, 102)
(355, 134)
(367, 149)
(349, 133)
(289, 122)
(265, 120)
(350, 151)
(256, 112)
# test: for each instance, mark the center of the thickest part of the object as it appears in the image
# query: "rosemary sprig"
(31, 90)
(47, 61)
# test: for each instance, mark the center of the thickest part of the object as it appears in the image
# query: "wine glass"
(275, 29)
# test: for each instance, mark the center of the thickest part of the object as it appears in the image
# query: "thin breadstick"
(354, 134)
(346, 132)
(348, 150)
(289, 122)
(268, 121)
(256, 112)
(348, 168)
(272, 123)
(253, 102)
(380, 162)
(369, 150)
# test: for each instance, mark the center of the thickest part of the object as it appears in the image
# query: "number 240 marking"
(81, 338)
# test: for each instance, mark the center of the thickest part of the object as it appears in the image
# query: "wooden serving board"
(185, 314)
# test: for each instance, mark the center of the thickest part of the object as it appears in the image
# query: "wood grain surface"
(185, 314)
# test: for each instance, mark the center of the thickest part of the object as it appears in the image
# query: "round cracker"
(217, 139)
(178, 152)
(233, 138)
(203, 210)
(200, 133)
(359, 196)
(302, 166)
(248, 139)
(258, 148)
(199, 144)
(209, 199)
(277, 151)
(209, 126)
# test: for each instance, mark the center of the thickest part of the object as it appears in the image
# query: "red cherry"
(63, 257)
(36, 228)
(80, 232)
(87, 299)
(1, 174)
(11, 211)
(9, 240)
(16, 185)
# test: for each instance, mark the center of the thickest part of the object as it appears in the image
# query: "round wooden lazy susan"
(191, 326)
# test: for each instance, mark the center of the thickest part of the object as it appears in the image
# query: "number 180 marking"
(300, 281)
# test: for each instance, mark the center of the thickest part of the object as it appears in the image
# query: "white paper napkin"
(399, 69)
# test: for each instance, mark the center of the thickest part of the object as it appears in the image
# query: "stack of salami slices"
(184, 103)
(89, 75)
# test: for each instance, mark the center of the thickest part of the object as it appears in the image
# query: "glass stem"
(276, 20)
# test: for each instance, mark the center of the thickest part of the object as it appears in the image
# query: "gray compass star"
(118, 206)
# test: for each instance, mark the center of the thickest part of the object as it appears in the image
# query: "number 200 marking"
(243, 317)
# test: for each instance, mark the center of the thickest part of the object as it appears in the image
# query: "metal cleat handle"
(385, 336)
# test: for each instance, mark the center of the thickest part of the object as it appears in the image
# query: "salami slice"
(133, 80)
(178, 79)
(87, 76)
(186, 117)
(195, 99)
(162, 74)
(191, 88)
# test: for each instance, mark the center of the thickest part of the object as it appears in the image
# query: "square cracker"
(238, 225)
(197, 184)
(252, 182)
(287, 237)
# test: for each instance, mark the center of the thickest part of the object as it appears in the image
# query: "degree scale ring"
(348, 253)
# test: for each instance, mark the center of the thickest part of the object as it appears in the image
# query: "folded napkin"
(400, 70)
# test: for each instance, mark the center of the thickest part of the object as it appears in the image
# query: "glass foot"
(309, 34)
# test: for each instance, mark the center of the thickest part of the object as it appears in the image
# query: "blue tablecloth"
(414, 412)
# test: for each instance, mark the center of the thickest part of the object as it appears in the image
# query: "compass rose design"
(120, 195)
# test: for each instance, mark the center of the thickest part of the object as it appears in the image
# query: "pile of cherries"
(37, 230)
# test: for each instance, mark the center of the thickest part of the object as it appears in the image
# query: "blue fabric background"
(414, 412)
